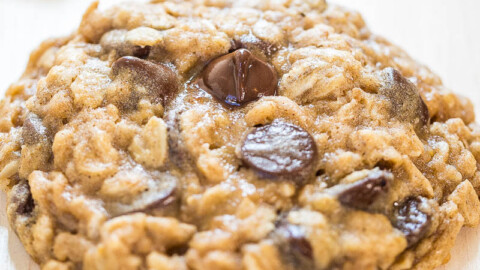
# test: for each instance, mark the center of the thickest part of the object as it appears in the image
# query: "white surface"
(444, 34)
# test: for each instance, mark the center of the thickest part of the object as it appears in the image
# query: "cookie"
(235, 135)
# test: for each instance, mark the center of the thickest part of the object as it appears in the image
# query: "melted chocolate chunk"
(411, 220)
(365, 192)
(294, 246)
(280, 150)
(161, 194)
(407, 103)
(238, 78)
(160, 80)
(33, 130)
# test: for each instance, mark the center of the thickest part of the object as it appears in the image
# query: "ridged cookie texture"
(226, 134)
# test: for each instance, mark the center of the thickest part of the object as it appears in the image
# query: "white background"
(444, 34)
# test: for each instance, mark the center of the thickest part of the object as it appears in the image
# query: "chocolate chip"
(33, 130)
(238, 78)
(280, 150)
(255, 45)
(411, 220)
(407, 103)
(295, 249)
(21, 198)
(161, 194)
(27, 206)
(366, 191)
(160, 81)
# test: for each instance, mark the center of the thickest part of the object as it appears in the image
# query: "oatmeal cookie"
(229, 135)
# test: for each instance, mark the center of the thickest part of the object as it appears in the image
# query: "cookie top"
(221, 134)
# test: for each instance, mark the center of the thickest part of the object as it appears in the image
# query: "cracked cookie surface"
(234, 135)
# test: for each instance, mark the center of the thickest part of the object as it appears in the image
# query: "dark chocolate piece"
(293, 245)
(280, 150)
(411, 220)
(238, 78)
(160, 80)
(407, 103)
(160, 194)
(366, 191)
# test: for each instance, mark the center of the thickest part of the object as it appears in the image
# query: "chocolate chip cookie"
(229, 135)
